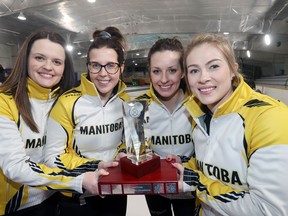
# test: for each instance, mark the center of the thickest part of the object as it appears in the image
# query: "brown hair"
(110, 37)
(16, 83)
(168, 44)
(222, 44)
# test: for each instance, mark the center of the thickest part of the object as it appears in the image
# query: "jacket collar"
(237, 98)
(39, 92)
(156, 99)
(89, 88)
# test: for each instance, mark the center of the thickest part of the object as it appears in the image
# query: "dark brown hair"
(110, 37)
(16, 83)
(168, 44)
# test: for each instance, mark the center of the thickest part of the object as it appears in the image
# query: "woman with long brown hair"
(42, 72)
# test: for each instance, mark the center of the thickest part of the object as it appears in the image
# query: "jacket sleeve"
(58, 151)
(16, 164)
(266, 177)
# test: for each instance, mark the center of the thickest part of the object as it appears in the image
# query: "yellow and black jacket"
(240, 167)
(81, 127)
(169, 133)
(21, 152)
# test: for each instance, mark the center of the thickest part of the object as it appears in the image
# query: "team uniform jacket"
(81, 127)
(171, 133)
(21, 151)
(241, 167)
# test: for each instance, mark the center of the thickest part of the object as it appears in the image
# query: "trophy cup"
(141, 171)
(140, 160)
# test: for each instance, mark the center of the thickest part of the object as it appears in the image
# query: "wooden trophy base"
(163, 180)
(142, 169)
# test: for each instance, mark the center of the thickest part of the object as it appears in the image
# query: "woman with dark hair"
(42, 72)
(168, 119)
(87, 122)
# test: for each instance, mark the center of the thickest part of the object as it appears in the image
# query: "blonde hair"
(222, 44)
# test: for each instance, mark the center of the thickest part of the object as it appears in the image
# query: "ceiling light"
(235, 11)
(91, 1)
(267, 39)
(21, 16)
(69, 47)
(248, 53)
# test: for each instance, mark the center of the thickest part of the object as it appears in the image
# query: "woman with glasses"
(86, 122)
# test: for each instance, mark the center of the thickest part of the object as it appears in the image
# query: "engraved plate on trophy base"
(160, 181)
(141, 169)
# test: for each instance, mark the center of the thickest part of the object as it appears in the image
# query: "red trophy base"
(160, 181)
(142, 169)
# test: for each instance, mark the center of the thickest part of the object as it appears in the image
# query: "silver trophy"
(141, 172)
(137, 146)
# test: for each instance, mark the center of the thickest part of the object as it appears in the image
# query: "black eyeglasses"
(110, 68)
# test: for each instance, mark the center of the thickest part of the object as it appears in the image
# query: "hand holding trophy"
(140, 172)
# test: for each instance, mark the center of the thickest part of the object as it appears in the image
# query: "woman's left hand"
(104, 165)
(180, 171)
(120, 155)
(174, 158)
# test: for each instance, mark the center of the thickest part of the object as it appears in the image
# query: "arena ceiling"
(144, 21)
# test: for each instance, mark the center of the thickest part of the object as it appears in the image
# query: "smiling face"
(209, 76)
(46, 63)
(166, 74)
(103, 81)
